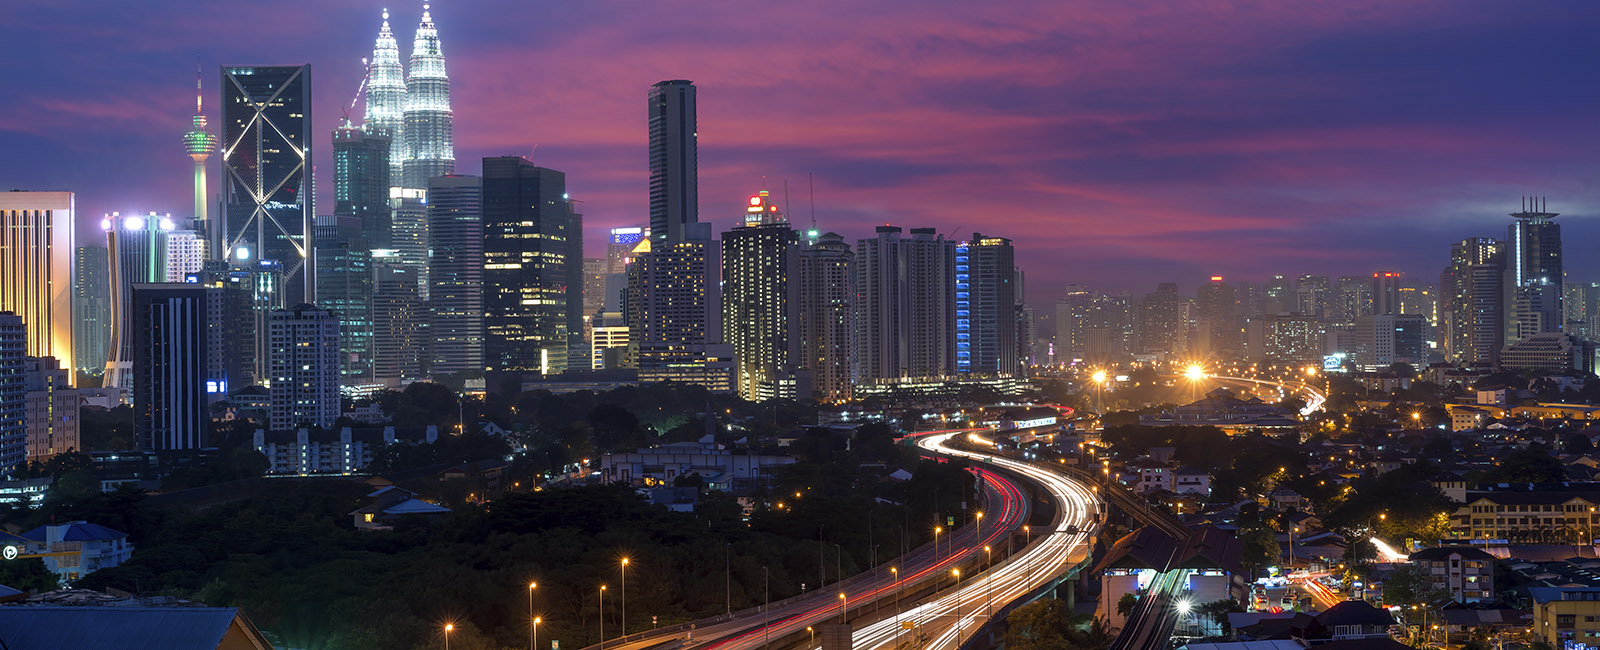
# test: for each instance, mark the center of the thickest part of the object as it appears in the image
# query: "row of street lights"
(534, 620)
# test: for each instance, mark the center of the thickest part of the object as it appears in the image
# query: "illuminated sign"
(1216, 278)
(1333, 363)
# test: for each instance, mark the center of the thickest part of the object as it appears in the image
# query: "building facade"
(170, 366)
(52, 414)
(827, 316)
(36, 281)
(429, 130)
(344, 286)
(455, 231)
(397, 348)
(266, 170)
(906, 306)
(13, 392)
(532, 268)
(674, 161)
(91, 309)
(986, 307)
(304, 359)
(138, 249)
(1534, 273)
(760, 299)
(361, 182)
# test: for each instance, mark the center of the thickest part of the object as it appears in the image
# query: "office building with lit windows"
(266, 171)
(36, 281)
(137, 246)
(455, 227)
(170, 367)
(759, 301)
(532, 269)
(304, 363)
(827, 316)
(906, 306)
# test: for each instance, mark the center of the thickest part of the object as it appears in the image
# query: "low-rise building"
(719, 468)
(1566, 616)
(77, 548)
(1188, 480)
(1465, 572)
(1537, 515)
(328, 452)
(390, 505)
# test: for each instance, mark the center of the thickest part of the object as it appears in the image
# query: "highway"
(956, 613)
(751, 628)
(1314, 398)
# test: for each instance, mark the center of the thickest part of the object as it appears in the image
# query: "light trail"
(1314, 398)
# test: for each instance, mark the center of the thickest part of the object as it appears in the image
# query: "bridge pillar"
(835, 636)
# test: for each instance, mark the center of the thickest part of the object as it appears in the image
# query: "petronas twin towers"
(413, 110)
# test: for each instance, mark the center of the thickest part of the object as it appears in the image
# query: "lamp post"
(766, 594)
(624, 596)
(936, 531)
(988, 582)
(602, 617)
(844, 609)
(448, 627)
(533, 632)
(957, 574)
(811, 635)
(896, 572)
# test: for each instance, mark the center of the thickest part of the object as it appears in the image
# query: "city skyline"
(1285, 135)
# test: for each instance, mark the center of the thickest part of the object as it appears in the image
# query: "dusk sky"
(1118, 143)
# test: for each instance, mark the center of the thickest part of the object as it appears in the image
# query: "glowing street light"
(844, 609)
(624, 596)
(448, 628)
(1194, 372)
(533, 632)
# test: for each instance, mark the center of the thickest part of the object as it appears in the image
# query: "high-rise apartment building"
(1386, 293)
(906, 305)
(91, 308)
(1279, 296)
(1217, 330)
(170, 328)
(674, 315)
(532, 269)
(137, 247)
(186, 255)
(1534, 272)
(344, 287)
(13, 392)
(36, 281)
(429, 130)
(826, 329)
(52, 411)
(619, 248)
(455, 228)
(361, 183)
(1386, 339)
(1475, 285)
(1312, 293)
(1354, 299)
(1071, 322)
(1162, 328)
(396, 313)
(674, 162)
(986, 324)
(760, 299)
(266, 170)
(594, 287)
(304, 359)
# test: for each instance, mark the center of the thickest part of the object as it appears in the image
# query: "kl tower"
(200, 143)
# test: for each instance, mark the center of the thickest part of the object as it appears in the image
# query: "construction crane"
(366, 75)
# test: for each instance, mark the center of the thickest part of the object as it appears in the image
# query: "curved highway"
(1314, 398)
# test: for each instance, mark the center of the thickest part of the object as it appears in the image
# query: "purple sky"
(1118, 143)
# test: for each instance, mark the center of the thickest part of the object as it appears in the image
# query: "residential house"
(1466, 572)
(392, 504)
(78, 548)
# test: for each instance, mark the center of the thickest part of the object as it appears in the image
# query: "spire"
(197, 73)
(386, 97)
(429, 134)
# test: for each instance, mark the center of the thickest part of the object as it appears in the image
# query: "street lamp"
(448, 627)
(602, 617)
(533, 633)
(957, 574)
(896, 572)
(988, 582)
(812, 634)
(936, 531)
(844, 609)
(624, 596)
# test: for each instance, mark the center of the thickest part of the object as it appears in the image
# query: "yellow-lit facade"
(36, 249)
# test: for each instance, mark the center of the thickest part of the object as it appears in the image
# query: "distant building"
(36, 268)
(719, 468)
(170, 364)
(13, 392)
(827, 316)
(1534, 273)
(986, 307)
(344, 287)
(85, 548)
(1465, 572)
(674, 163)
(52, 414)
(905, 306)
(674, 315)
(1550, 352)
(397, 315)
(328, 452)
(1565, 617)
(1473, 305)
(390, 505)
(266, 188)
(186, 253)
(760, 301)
(304, 360)
(91, 308)
(1538, 515)
(456, 297)
(361, 179)
(533, 282)
(1386, 339)
(138, 249)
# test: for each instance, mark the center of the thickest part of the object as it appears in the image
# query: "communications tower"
(200, 142)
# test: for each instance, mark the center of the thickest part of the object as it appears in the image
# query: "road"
(924, 566)
(1314, 398)
(957, 613)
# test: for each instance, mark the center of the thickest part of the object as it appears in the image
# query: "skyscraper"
(1534, 272)
(386, 102)
(304, 360)
(1386, 293)
(429, 129)
(1312, 293)
(1476, 321)
(1354, 299)
(991, 313)
(344, 287)
(170, 329)
(91, 308)
(759, 301)
(185, 255)
(1217, 329)
(455, 226)
(1279, 297)
(906, 305)
(674, 161)
(266, 163)
(200, 143)
(827, 316)
(1161, 327)
(361, 182)
(137, 248)
(396, 314)
(674, 315)
(52, 412)
(533, 268)
(13, 392)
(36, 280)
(619, 248)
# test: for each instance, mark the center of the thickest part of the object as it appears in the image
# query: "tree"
(28, 574)
(1411, 585)
(1576, 444)
(1126, 604)
(1218, 610)
(1048, 625)
(1260, 547)
(1531, 465)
